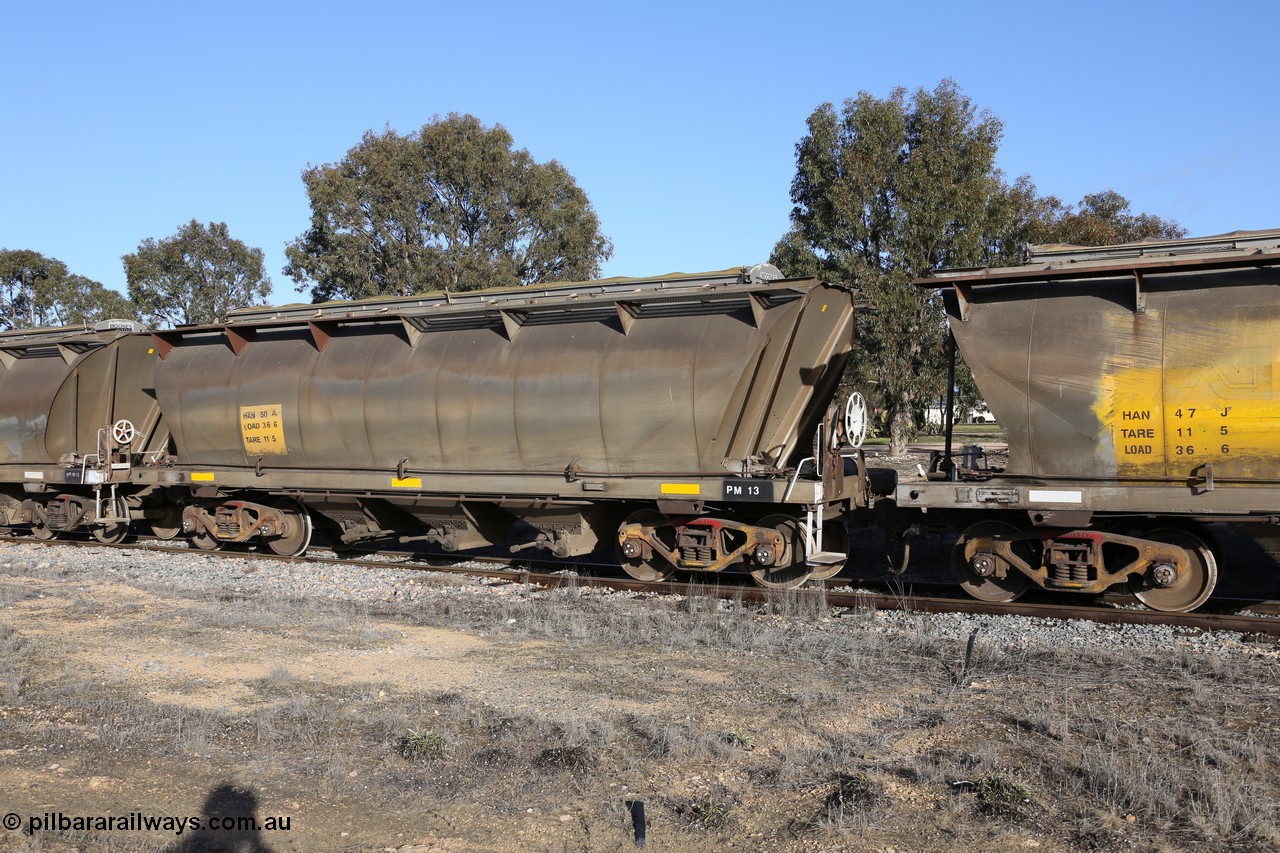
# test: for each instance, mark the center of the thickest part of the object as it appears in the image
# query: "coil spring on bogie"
(1071, 563)
(228, 524)
(1077, 573)
(56, 514)
(697, 554)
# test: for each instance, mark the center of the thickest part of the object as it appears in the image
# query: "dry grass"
(755, 726)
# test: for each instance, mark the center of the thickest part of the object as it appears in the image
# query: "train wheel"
(110, 534)
(789, 570)
(653, 569)
(160, 531)
(975, 577)
(296, 536)
(834, 538)
(42, 531)
(204, 540)
(1186, 592)
(169, 525)
(897, 553)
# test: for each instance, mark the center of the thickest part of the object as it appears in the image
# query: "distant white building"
(978, 415)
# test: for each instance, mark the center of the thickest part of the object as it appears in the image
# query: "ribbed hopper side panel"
(1087, 387)
(677, 392)
(27, 390)
(54, 400)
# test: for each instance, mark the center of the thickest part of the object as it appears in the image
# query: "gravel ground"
(190, 572)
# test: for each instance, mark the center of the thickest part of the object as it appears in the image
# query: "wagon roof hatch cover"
(1237, 249)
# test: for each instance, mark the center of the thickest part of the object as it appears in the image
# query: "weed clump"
(421, 745)
(707, 814)
(853, 793)
(1000, 796)
(848, 805)
(566, 758)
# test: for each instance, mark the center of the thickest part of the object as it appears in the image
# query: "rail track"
(1253, 618)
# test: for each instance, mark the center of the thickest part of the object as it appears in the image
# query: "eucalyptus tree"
(195, 276)
(452, 206)
(38, 291)
(887, 189)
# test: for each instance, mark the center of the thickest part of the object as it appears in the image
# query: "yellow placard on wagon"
(1170, 420)
(262, 430)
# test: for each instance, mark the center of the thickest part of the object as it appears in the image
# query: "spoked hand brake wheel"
(855, 420)
(124, 432)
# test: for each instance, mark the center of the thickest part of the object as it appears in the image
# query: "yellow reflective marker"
(202, 476)
(406, 482)
(681, 489)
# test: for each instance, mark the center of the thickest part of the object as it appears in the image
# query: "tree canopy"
(889, 189)
(886, 190)
(1022, 217)
(1100, 219)
(195, 276)
(37, 291)
(452, 206)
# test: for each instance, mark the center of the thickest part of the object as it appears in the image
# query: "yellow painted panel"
(1168, 422)
(262, 430)
(681, 489)
(201, 477)
(406, 482)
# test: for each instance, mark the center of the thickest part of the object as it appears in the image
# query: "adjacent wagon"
(1139, 390)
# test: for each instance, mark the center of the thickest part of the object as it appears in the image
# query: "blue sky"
(679, 120)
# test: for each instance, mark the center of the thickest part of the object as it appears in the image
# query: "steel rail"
(831, 594)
